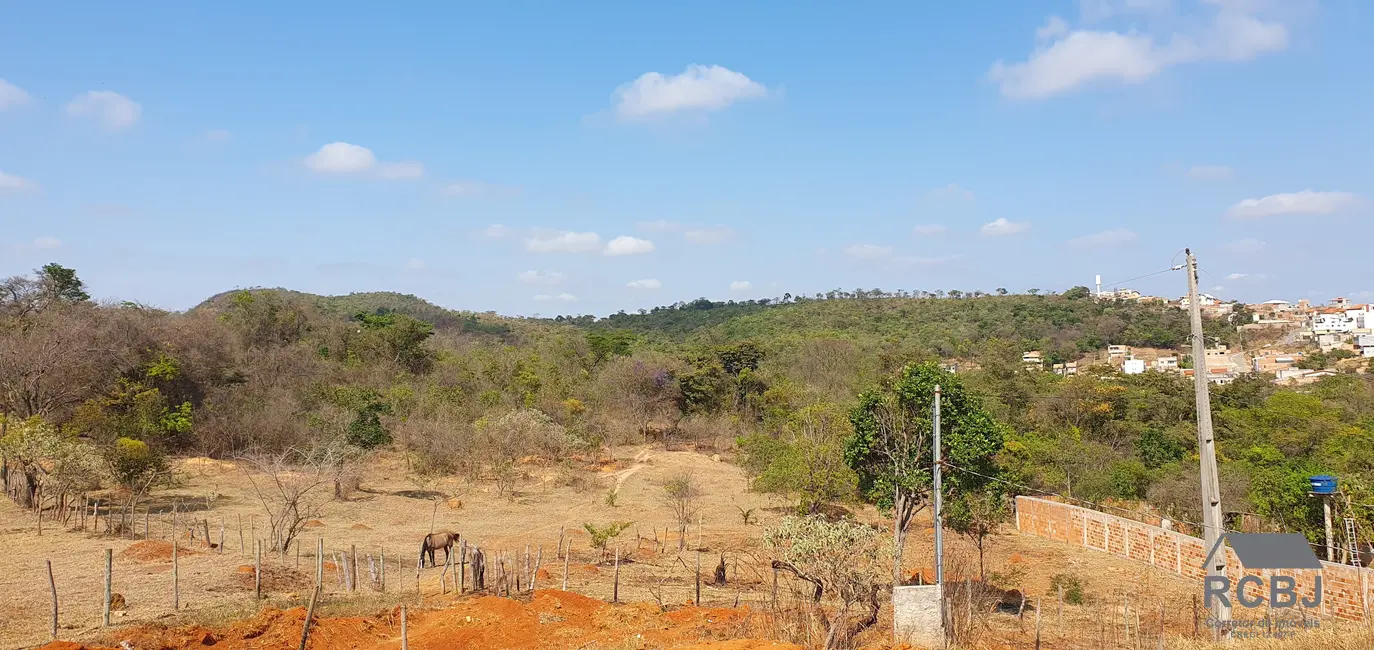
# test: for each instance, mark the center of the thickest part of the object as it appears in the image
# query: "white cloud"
(467, 189)
(660, 225)
(11, 95)
(1104, 239)
(562, 297)
(699, 87)
(1247, 276)
(626, 245)
(1055, 27)
(217, 135)
(713, 235)
(540, 277)
(1211, 173)
(564, 242)
(1001, 227)
(47, 243)
(496, 231)
(341, 158)
(415, 264)
(929, 229)
(951, 191)
(644, 284)
(347, 158)
(401, 170)
(112, 110)
(1065, 60)
(1305, 202)
(1245, 247)
(740, 285)
(12, 183)
(867, 251)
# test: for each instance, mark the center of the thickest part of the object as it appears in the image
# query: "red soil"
(552, 619)
(153, 551)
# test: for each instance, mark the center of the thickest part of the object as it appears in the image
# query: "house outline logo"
(1265, 551)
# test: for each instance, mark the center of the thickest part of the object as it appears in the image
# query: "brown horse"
(434, 542)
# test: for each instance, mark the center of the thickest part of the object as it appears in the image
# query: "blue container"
(1322, 484)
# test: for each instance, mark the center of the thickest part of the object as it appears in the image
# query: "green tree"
(61, 283)
(807, 461)
(976, 516)
(891, 446)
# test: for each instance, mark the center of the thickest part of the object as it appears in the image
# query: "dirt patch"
(313, 523)
(153, 551)
(360, 526)
(274, 579)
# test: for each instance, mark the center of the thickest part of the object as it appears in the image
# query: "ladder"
(1352, 541)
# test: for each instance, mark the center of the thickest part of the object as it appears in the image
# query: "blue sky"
(548, 157)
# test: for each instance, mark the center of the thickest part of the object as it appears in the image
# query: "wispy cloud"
(11, 95)
(496, 231)
(12, 183)
(648, 283)
(113, 111)
(564, 242)
(1001, 227)
(1305, 202)
(740, 285)
(1105, 239)
(699, 88)
(1067, 59)
(713, 235)
(951, 191)
(540, 277)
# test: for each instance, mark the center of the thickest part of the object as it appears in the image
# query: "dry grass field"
(391, 513)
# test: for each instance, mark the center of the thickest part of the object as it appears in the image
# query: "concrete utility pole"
(937, 502)
(1212, 520)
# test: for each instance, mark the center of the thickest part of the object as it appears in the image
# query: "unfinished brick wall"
(1347, 591)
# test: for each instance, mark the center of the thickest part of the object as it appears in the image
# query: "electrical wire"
(1141, 277)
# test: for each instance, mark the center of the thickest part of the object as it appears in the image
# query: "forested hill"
(1064, 325)
(371, 302)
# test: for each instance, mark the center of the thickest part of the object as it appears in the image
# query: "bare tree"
(294, 485)
(682, 495)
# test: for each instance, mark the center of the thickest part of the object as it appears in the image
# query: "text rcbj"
(1271, 551)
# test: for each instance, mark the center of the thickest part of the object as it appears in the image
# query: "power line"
(1142, 277)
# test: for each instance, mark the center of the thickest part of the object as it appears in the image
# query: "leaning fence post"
(309, 614)
(109, 582)
(566, 552)
(538, 560)
(52, 587)
(319, 563)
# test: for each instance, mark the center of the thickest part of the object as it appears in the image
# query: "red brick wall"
(1345, 589)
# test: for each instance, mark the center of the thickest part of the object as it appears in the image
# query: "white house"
(1166, 364)
(1134, 366)
(1365, 342)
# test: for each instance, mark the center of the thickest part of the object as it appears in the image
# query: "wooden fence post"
(221, 536)
(176, 579)
(257, 569)
(109, 580)
(146, 522)
(382, 559)
(353, 560)
(309, 614)
(615, 590)
(319, 563)
(1038, 601)
(52, 587)
(405, 642)
(538, 560)
(462, 566)
(698, 572)
(240, 535)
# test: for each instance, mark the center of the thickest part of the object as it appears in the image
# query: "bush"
(1073, 588)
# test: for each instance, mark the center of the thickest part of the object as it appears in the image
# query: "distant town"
(1297, 343)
